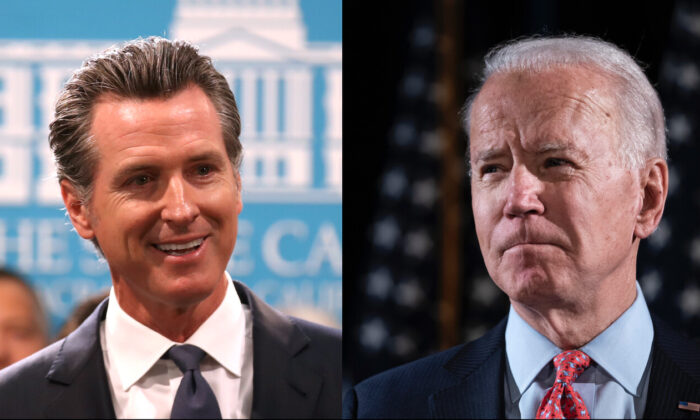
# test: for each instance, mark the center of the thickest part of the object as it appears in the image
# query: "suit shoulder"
(331, 336)
(404, 391)
(322, 356)
(324, 350)
(461, 360)
(27, 370)
(427, 371)
(682, 349)
(24, 383)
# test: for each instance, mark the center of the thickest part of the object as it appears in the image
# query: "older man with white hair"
(568, 170)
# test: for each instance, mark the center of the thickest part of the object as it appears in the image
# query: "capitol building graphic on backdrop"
(292, 152)
(289, 95)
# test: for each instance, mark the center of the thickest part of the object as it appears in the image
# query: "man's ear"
(77, 211)
(654, 182)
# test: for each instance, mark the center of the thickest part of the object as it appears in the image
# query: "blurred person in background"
(80, 314)
(23, 326)
(567, 155)
(146, 140)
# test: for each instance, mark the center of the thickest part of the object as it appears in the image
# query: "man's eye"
(141, 180)
(203, 170)
(490, 169)
(552, 162)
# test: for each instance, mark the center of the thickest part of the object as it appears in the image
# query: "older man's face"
(554, 206)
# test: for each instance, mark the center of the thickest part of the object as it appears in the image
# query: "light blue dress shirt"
(613, 386)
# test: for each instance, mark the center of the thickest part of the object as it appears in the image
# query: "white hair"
(642, 127)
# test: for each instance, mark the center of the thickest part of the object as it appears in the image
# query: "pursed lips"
(513, 245)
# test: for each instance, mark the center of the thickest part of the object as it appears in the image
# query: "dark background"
(401, 304)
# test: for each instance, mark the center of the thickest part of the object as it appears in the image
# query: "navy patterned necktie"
(194, 398)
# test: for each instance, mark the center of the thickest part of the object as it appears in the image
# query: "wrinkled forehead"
(561, 98)
(532, 91)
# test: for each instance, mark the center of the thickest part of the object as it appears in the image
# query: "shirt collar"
(622, 349)
(527, 350)
(133, 358)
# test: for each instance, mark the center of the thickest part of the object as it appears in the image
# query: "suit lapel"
(282, 386)
(675, 374)
(480, 368)
(77, 377)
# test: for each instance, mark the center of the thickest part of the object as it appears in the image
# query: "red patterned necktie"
(562, 401)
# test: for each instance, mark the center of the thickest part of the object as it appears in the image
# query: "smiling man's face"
(166, 199)
(554, 206)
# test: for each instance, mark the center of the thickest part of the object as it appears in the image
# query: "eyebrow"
(554, 147)
(490, 154)
(209, 155)
(128, 170)
(561, 147)
(131, 169)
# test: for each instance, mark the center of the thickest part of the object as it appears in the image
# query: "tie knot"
(570, 364)
(186, 356)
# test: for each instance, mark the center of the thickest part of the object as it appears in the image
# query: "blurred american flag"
(402, 295)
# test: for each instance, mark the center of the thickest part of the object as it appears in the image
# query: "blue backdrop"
(283, 59)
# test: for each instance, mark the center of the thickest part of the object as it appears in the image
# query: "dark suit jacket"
(296, 371)
(467, 381)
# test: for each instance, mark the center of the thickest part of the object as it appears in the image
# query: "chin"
(185, 298)
(528, 286)
(185, 291)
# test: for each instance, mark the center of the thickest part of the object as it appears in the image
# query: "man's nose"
(179, 207)
(524, 189)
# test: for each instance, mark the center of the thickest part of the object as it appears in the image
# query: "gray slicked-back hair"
(642, 126)
(143, 68)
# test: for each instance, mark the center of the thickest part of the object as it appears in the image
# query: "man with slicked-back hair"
(567, 156)
(146, 142)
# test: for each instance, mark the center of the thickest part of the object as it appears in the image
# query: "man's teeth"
(180, 247)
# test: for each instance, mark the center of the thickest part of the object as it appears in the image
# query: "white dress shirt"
(613, 386)
(143, 385)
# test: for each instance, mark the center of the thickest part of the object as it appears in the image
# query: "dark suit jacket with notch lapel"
(467, 381)
(296, 371)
